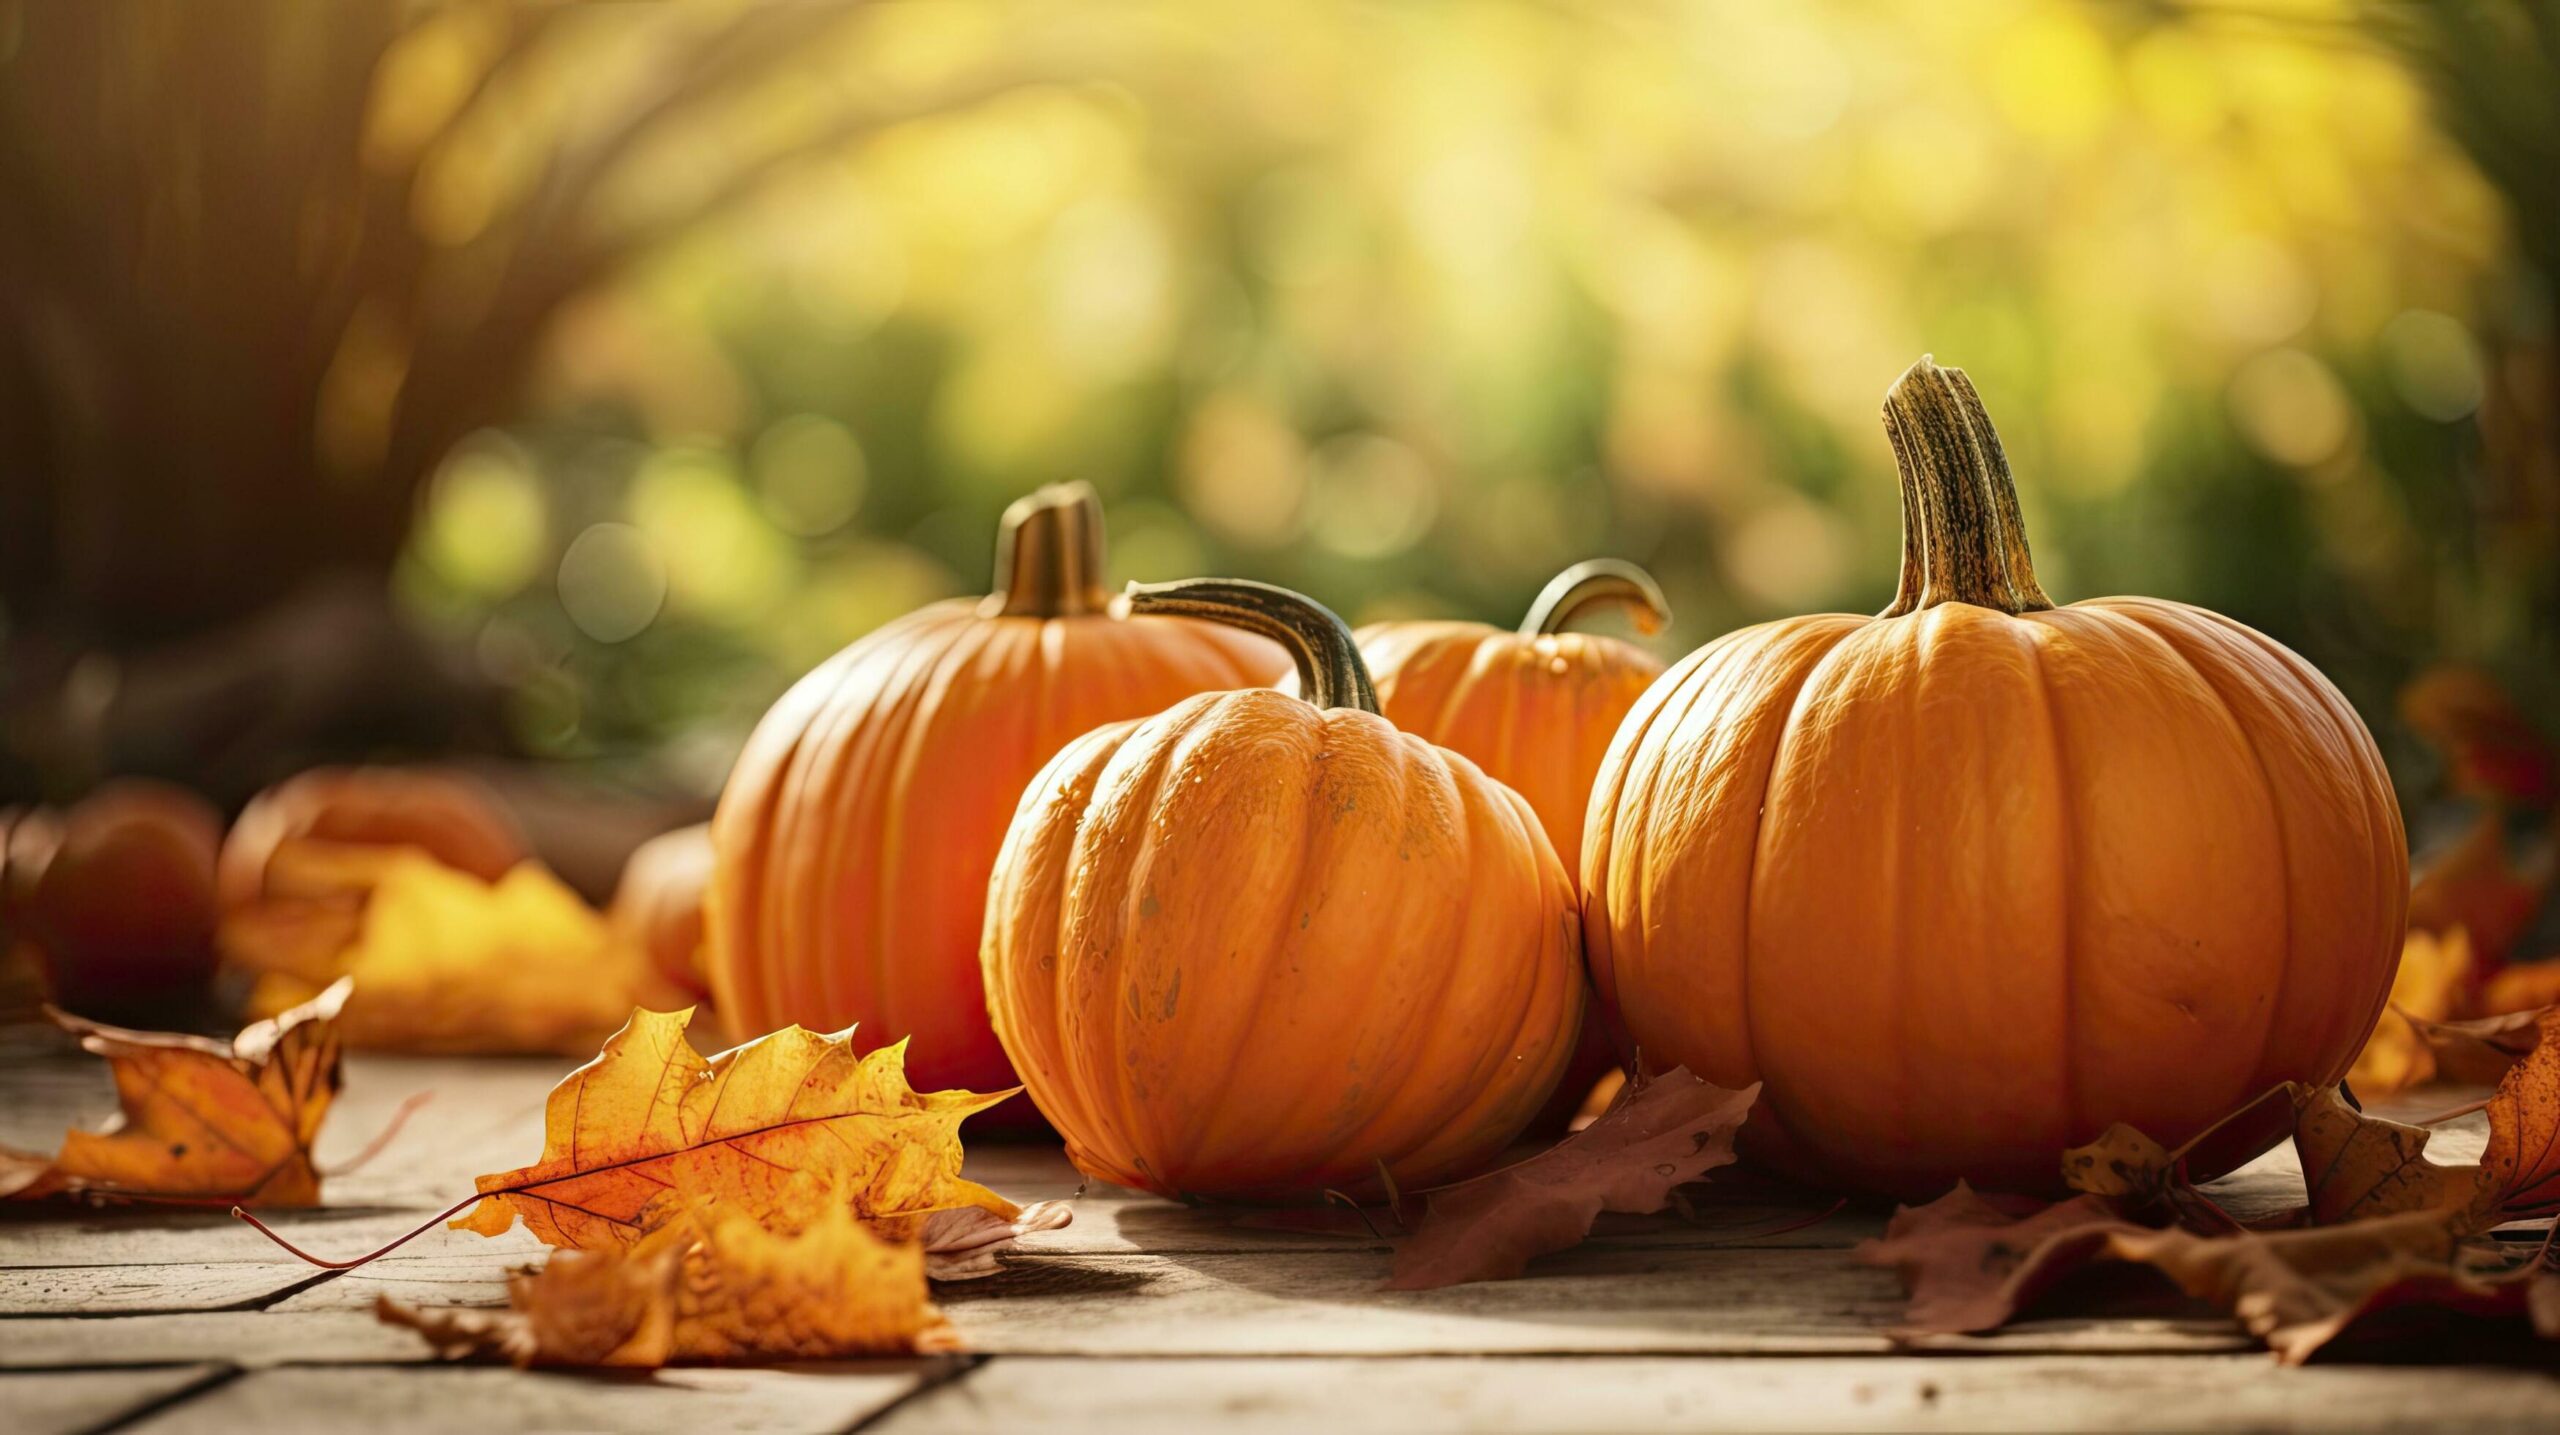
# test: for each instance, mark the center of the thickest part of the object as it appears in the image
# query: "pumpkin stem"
(1962, 539)
(1597, 582)
(1330, 673)
(1049, 555)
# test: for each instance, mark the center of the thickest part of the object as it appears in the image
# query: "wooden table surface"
(1142, 1315)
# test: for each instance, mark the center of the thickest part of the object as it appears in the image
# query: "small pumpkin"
(853, 840)
(1256, 946)
(447, 814)
(1536, 708)
(1968, 881)
(657, 904)
(118, 898)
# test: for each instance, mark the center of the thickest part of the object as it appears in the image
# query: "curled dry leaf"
(963, 1244)
(1672, 1130)
(2434, 974)
(2521, 1164)
(1970, 1265)
(2299, 1290)
(2491, 748)
(2477, 886)
(2529, 986)
(203, 1123)
(775, 1130)
(444, 961)
(711, 1286)
(2123, 1164)
(2356, 1166)
(2480, 1052)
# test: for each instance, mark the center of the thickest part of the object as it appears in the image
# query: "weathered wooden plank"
(1597, 1299)
(65, 1401)
(452, 1278)
(240, 1338)
(482, 1114)
(134, 1237)
(57, 1290)
(494, 1400)
(1345, 1397)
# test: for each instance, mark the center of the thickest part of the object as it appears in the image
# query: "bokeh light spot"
(612, 583)
(810, 473)
(2291, 408)
(2434, 364)
(485, 527)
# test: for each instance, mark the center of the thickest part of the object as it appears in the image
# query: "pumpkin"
(1536, 709)
(1966, 882)
(853, 840)
(1257, 947)
(657, 904)
(449, 815)
(118, 899)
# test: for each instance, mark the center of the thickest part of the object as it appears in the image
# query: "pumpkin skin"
(1256, 947)
(119, 899)
(1536, 708)
(449, 815)
(657, 904)
(1967, 882)
(853, 840)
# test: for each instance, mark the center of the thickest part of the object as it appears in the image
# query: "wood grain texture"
(496, 1400)
(265, 1338)
(1395, 1397)
(62, 1402)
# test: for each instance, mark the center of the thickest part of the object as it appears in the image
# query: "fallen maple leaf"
(2520, 1166)
(963, 1244)
(711, 1286)
(2480, 1052)
(444, 962)
(202, 1122)
(2473, 886)
(2356, 1166)
(776, 1130)
(2434, 973)
(2299, 1290)
(1656, 1137)
(1970, 1265)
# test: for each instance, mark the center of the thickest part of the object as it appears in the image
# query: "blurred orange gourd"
(1536, 708)
(657, 904)
(853, 841)
(1968, 881)
(1257, 947)
(449, 815)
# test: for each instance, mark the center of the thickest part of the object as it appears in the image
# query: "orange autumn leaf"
(2522, 988)
(2475, 886)
(203, 1123)
(764, 1130)
(2491, 748)
(2482, 1050)
(444, 962)
(710, 1286)
(2434, 971)
(1653, 1138)
(2521, 1164)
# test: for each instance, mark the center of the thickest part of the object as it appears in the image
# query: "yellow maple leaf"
(767, 1130)
(203, 1123)
(2428, 986)
(443, 961)
(711, 1286)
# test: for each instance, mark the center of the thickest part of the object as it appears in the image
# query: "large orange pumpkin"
(853, 841)
(1256, 947)
(1536, 708)
(1968, 881)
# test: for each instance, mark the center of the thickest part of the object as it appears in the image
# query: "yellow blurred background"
(638, 356)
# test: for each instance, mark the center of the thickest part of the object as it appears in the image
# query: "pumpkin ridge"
(890, 964)
(2260, 1078)
(1120, 1122)
(2067, 1079)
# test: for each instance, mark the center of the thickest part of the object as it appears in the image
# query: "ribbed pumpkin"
(657, 904)
(1536, 708)
(1256, 947)
(1968, 881)
(853, 840)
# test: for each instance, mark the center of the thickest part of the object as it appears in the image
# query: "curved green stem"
(1962, 538)
(1597, 582)
(1330, 673)
(1049, 555)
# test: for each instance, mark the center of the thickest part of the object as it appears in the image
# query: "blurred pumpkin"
(657, 906)
(449, 815)
(1257, 947)
(117, 899)
(855, 835)
(1966, 882)
(1535, 708)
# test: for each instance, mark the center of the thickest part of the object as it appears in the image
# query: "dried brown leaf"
(203, 1123)
(1654, 1138)
(2481, 1051)
(966, 1243)
(2521, 1163)
(2356, 1166)
(1970, 1265)
(709, 1287)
